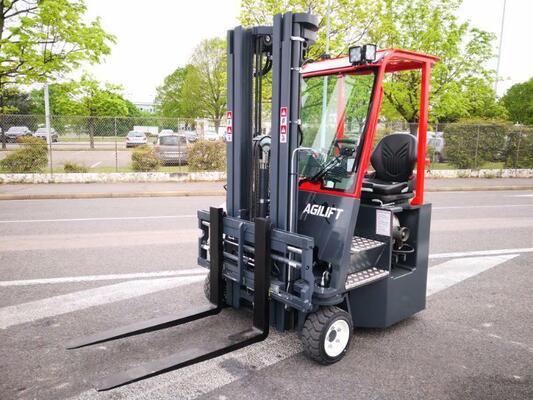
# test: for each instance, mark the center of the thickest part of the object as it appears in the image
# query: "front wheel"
(326, 334)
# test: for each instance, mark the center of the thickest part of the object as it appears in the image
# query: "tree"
(178, 96)
(15, 101)
(519, 102)
(43, 39)
(458, 79)
(349, 19)
(430, 26)
(209, 60)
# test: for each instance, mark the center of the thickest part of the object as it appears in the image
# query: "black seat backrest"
(394, 157)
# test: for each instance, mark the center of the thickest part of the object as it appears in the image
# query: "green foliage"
(72, 167)
(198, 89)
(44, 39)
(207, 156)
(519, 102)
(470, 145)
(179, 94)
(519, 150)
(144, 159)
(461, 85)
(348, 20)
(32, 156)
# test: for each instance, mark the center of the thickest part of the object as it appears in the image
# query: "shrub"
(72, 167)
(519, 150)
(32, 156)
(144, 159)
(207, 156)
(470, 145)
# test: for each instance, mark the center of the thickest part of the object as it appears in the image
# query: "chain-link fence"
(120, 144)
(103, 144)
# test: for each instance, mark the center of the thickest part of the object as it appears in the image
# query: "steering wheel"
(345, 151)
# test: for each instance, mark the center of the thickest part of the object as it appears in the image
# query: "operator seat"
(393, 159)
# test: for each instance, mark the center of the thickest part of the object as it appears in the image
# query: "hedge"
(207, 156)
(144, 159)
(32, 156)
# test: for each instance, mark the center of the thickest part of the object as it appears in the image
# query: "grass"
(487, 165)
(169, 168)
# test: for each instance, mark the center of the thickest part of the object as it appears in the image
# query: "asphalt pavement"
(74, 267)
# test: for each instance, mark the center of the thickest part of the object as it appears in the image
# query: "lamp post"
(500, 49)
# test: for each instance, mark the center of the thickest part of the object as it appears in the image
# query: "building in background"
(146, 106)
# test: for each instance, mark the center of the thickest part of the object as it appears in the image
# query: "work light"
(369, 53)
(355, 55)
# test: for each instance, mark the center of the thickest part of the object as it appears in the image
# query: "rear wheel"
(326, 334)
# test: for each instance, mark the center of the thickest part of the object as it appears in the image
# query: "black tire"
(316, 328)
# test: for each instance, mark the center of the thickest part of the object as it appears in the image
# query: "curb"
(202, 193)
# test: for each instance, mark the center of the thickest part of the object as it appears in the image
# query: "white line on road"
(96, 164)
(521, 195)
(457, 270)
(203, 378)
(481, 253)
(110, 277)
(58, 305)
(17, 221)
(486, 206)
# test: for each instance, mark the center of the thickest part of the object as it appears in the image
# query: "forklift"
(312, 238)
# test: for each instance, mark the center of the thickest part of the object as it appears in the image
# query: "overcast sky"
(154, 37)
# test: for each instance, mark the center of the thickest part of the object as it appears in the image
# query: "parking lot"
(73, 267)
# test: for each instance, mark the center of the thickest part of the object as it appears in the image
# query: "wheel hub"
(336, 338)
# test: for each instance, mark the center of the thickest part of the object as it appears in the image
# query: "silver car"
(135, 138)
(15, 132)
(42, 133)
(172, 148)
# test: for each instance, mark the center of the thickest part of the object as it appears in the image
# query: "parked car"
(192, 136)
(212, 135)
(15, 132)
(172, 148)
(42, 133)
(166, 132)
(135, 138)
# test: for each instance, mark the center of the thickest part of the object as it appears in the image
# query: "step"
(360, 243)
(364, 277)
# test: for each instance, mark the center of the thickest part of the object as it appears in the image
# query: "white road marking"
(21, 221)
(120, 239)
(110, 277)
(58, 305)
(96, 164)
(486, 206)
(200, 379)
(481, 253)
(457, 270)
(521, 195)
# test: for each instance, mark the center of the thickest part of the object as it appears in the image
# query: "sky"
(157, 36)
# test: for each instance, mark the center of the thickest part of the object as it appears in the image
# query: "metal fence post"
(116, 145)
(518, 147)
(477, 148)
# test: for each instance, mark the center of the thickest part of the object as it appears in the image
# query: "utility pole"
(500, 49)
(47, 122)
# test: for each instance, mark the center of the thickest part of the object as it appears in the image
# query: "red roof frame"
(387, 61)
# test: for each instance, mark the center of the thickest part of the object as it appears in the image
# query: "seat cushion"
(382, 187)
(369, 197)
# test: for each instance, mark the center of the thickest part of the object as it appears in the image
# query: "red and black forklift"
(312, 238)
